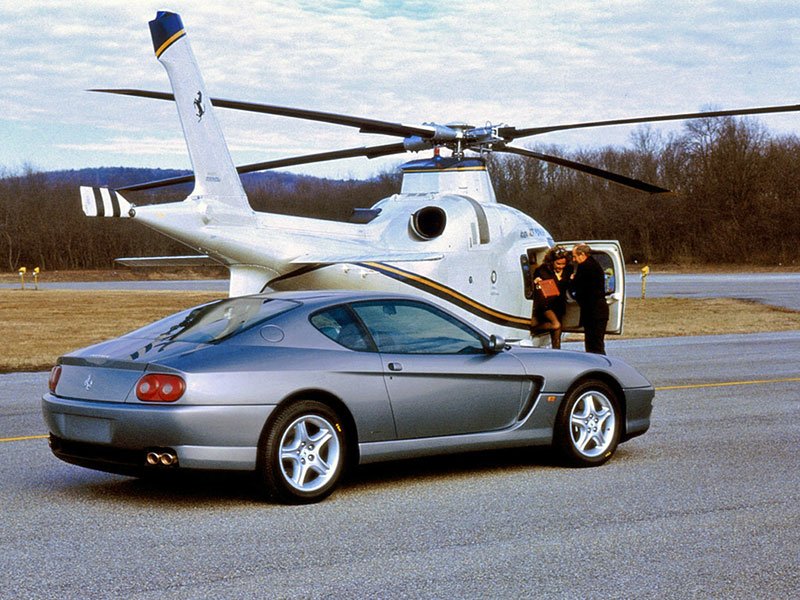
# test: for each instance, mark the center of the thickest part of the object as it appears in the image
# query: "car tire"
(588, 425)
(303, 453)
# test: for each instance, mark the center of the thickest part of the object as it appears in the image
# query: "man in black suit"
(589, 289)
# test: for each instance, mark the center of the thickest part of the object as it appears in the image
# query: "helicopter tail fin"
(215, 174)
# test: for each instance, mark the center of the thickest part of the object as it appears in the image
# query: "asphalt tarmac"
(704, 505)
(778, 289)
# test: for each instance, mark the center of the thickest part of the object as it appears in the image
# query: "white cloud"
(522, 62)
(130, 145)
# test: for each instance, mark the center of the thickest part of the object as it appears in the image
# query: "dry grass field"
(661, 317)
(38, 326)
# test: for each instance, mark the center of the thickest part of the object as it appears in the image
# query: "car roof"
(328, 296)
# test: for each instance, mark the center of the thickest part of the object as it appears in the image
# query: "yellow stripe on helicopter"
(169, 42)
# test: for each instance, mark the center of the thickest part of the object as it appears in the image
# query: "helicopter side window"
(526, 276)
(608, 269)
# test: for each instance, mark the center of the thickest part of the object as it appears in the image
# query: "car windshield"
(214, 322)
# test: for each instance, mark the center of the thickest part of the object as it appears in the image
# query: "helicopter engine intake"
(428, 222)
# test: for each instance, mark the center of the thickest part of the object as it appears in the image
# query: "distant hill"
(121, 176)
(260, 187)
(271, 191)
(42, 224)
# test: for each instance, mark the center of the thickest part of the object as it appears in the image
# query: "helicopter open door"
(609, 254)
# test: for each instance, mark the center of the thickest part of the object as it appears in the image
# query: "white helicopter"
(444, 236)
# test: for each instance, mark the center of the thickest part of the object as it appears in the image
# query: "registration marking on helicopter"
(451, 295)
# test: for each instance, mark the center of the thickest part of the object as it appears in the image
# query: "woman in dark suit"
(549, 312)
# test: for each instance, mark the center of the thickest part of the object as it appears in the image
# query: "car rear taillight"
(55, 375)
(159, 387)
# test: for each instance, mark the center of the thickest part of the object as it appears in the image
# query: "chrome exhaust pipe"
(167, 458)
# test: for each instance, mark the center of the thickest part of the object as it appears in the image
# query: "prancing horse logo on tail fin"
(198, 105)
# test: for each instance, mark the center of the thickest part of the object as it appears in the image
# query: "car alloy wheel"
(589, 424)
(304, 452)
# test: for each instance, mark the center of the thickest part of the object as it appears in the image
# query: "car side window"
(338, 324)
(408, 327)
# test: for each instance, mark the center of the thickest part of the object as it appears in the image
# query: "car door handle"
(395, 366)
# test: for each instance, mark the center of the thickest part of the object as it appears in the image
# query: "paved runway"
(778, 289)
(212, 285)
(706, 504)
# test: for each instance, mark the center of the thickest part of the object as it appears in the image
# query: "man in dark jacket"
(589, 289)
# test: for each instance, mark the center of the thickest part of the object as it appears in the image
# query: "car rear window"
(214, 322)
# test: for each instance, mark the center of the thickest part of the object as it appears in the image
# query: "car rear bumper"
(117, 437)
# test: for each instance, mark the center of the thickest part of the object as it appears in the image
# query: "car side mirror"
(496, 343)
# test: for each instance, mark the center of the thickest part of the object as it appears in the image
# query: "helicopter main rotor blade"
(363, 124)
(636, 184)
(512, 133)
(369, 152)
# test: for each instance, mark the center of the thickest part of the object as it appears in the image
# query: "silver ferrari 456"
(298, 387)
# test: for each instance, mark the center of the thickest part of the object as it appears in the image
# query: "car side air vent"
(429, 222)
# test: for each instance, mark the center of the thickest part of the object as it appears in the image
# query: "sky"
(520, 62)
